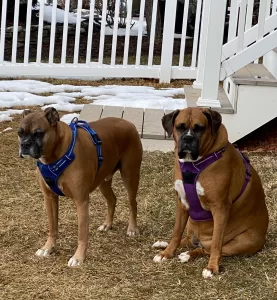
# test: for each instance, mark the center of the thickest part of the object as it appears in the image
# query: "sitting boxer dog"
(74, 160)
(221, 201)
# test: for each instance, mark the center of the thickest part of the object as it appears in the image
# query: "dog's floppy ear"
(214, 119)
(168, 121)
(51, 115)
(26, 112)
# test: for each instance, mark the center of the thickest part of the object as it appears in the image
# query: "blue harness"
(51, 172)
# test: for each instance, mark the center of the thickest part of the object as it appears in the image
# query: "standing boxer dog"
(74, 160)
(221, 201)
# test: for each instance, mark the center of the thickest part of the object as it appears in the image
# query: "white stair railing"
(215, 17)
(246, 43)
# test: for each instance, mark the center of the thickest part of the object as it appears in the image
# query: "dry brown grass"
(122, 81)
(118, 267)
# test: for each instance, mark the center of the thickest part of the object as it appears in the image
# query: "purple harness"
(190, 173)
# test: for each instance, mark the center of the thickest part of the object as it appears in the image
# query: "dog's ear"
(51, 115)
(214, 119)
(25, 113)
(168, 121)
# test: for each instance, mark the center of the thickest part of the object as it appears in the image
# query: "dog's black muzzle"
(29, 148)
(188, 144)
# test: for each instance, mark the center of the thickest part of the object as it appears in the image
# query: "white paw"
(132, 233)
(74, 262)
(160, 245)
(158, 258)
(184, 256)
(207, 274)
(103, 227)
(44, 253)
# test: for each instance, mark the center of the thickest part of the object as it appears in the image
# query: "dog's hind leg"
(106, 190)
(246, 243)
(130, 173)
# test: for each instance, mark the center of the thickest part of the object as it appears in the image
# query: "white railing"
(96, 55)
(246, 43)
(78, 51)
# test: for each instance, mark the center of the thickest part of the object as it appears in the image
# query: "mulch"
(263, 139)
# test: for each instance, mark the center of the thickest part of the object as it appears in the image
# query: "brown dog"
(221, 201)
(43, 137)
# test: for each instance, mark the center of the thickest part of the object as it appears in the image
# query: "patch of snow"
(68, 117)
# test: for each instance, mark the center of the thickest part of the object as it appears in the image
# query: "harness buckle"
(97, 139)
(74, 120)
(248, 173)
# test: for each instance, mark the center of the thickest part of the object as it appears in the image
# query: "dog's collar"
(190, 173)
(51, 172)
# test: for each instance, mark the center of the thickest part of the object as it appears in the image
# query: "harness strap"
(95, 138)
(51, 172)
(190, 173)
(246, 162)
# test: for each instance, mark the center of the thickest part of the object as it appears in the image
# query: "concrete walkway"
(147, 122)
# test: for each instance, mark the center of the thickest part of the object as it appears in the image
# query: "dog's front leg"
(83, 228)
(179, 227)
(51, 202)
(220, 216)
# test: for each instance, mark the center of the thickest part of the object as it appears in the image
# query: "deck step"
(254, 74)
(193, 94)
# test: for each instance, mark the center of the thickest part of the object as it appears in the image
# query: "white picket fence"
(95, 69)
(209, 60)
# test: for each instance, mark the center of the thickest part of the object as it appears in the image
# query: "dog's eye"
(181, 127)
(198, 128)
(38, 133)
(20, 132)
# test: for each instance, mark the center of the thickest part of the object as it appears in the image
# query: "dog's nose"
(188, 138)
(25, 144)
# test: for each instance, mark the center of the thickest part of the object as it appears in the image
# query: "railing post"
(212, 65)
(198, 83)
(168, 40)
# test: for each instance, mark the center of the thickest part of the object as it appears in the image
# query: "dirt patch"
(118, 267)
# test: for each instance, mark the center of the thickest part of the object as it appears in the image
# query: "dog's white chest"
(179, 188)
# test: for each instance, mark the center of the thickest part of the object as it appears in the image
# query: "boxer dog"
(45, 138)
(220, 198)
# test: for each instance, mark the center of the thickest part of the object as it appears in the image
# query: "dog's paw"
(159, 258)
(184, 256)
(74, 262)
(207, 274)
(160, 245)
(104, 227)
(45, 252)
(132, 232)
(210, 271)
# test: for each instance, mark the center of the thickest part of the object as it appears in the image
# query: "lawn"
(118, 267)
